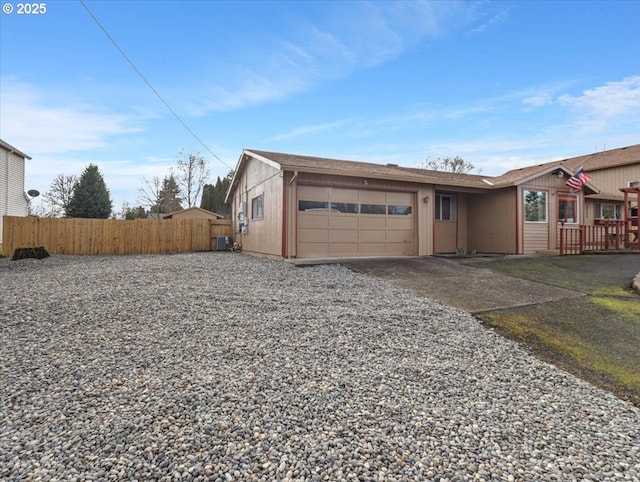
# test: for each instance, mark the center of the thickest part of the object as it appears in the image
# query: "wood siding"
(110, 236)
(609, 181)
(263, 235)
(492, 222)
(536, 237)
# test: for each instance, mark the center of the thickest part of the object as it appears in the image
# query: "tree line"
(87, 196)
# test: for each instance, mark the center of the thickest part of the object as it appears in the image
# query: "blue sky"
(502, 84)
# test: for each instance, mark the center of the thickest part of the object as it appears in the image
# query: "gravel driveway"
(222, 366)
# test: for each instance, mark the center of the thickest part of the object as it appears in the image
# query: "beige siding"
(445, 236)
(609, 181)
(263, 235)
(536, 237)
(492, 222)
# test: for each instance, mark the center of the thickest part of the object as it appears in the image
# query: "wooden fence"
(110, 236)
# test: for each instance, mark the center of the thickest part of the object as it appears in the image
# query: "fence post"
(562, 241)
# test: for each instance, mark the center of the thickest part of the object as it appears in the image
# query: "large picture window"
(445, 207)
(257, 211)
(535, 206)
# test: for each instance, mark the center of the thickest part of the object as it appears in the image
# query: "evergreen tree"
(207, 201)
(213, 196)
(135, 213)
(90, 197)
(169, 200)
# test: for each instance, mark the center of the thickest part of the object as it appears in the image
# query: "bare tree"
(191, 173)
(448, 164)
(57, 198)
(149, 193)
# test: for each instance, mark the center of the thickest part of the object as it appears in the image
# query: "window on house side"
(535, 206)
(608, 211)
(257, 208)
(445, 207)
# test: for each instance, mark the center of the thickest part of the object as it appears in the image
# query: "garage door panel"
(399, 249)
(313, 235)
(400, 222)
(343, 249)
(399, 236)
(313, 250)
(343, 235)
(307, 220)
(343, 221)
(313, 193)
(379, 236)
(372, 222)
(400, 198)
(372, 197)
(373, 249)
(344, 195)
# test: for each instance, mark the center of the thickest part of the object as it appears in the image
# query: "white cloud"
(539, 99)
(321, 49)
(42, 126)
(611, 100)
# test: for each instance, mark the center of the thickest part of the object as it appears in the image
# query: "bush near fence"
(111, 236)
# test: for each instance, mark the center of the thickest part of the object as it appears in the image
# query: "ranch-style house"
(295, 206)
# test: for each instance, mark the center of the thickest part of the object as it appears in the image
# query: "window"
(257, 207)
(535, 206)
(567, 208)
(399, 210)
(445, 207)
(608, 211)
(350, 208)
(373, 209)
(313, 205)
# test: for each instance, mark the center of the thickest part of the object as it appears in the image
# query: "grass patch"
(595, 337)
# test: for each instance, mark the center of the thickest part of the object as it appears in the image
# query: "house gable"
(13, 201)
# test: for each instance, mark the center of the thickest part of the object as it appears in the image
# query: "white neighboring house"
(13, 200)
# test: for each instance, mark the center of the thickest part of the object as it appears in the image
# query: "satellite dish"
(33, 192)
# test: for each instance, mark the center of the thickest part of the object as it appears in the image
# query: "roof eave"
(13, 150)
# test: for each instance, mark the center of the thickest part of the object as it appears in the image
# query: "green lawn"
(597, 337)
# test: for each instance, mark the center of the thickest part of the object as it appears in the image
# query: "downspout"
(286, 253)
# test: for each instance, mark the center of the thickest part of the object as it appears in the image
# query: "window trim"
(575, 198)
(255, 202)
(546, 206)
(453, 207)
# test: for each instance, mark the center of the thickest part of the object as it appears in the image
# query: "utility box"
(221, 243)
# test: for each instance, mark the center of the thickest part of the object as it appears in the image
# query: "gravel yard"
(222, 366)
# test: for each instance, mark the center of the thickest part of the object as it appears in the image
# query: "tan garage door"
(350, 222)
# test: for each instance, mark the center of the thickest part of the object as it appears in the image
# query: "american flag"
(578, 180)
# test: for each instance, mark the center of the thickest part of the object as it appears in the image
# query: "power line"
(141, 75)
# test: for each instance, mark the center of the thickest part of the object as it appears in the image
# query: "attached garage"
(335, 222)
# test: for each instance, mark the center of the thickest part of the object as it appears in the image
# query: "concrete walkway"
(450, 281)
